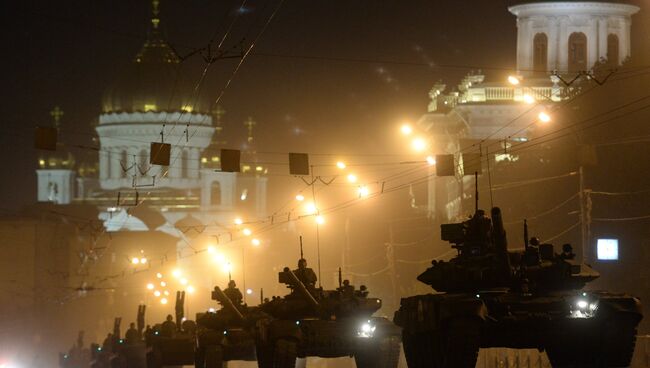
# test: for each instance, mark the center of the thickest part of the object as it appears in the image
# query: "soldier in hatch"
(233, 293)
(132, 334)
(306, 275)
(168, 328)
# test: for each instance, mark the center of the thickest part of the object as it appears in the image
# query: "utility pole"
(583, 216)
(390, 257)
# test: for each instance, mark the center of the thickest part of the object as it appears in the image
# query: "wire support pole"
(313, 198)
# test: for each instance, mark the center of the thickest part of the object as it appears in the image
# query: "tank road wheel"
(285, 354)
(422, 350)
(618, 340)
(461, 343)
(381, 354)
(264, 354)
(213, 357)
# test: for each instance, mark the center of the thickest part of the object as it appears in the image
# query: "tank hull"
(574, 327)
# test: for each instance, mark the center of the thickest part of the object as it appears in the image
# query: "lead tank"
(227, 334)
(487, 296)
(311, 321)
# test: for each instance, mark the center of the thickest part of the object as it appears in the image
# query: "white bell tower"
(571, 36)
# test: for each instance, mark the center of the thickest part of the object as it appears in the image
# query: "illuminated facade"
(564, 37)
(151, 102)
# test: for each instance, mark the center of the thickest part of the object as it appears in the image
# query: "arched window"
(124, 161)
(185, 162)
(215, 193)
(612, 49)
(540, 52)
(144, 158)
(577, 52)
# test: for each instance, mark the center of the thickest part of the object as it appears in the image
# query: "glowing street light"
(219, 258)
(135, 260)
(544, 117)
(529, 99)
(159, 275)
(163, 301)
(249, 291)
(300, 197)
(310, 208)
(190, 289)
(341, 165)
(176, 273)
(352, 178)
(143, 260)
(247, 232)
(166, 293)
(211, 249)
(256, 242)
(156, 293)
(431, 160)
(419, 144)
(320, 220)
(364, 191)
(183, 281)
(163, 284)
(406, 129)
(238, 221)
(227, 267)
(150, 286)
(514, 80)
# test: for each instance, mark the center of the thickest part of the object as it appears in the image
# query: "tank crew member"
(346, 289)
(107, 345)
(567, 252)
(132, 335)
(168, 328)
(306, 275)
(233, 293)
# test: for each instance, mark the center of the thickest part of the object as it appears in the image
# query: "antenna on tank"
(476, 190)
(525, 234)
(301, 255)
(340, 278)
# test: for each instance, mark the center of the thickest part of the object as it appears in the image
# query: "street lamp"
(406, 129)
(514, 80)
(341, 165)
(544, 117)
(419, 144)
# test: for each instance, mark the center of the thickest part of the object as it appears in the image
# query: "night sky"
(326, 76)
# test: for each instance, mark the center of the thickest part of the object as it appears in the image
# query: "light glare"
(352, 178)
(406, 129)
(544, 117)
(513, 80)
(419, 144)
(341, 165)
(300, 197)
(431, 160)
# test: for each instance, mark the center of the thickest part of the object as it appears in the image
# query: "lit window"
(150, 107)
(607, 249)
(215, 158)
(187, 108)
(204, 160)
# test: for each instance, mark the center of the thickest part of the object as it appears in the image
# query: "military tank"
(227, 334)
(311, 321)
(118, 352)
(172, 343)
(488, 296)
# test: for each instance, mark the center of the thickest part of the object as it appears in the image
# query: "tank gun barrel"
(222, 298)
(295, 282)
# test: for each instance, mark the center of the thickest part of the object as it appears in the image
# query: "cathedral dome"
(152, 81)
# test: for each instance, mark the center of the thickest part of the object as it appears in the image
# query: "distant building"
(150, 101)
(566, 38)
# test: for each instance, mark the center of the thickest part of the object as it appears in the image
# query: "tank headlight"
(582, 304)
(366, 330)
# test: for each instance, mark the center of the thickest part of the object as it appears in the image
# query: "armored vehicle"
(311, 321)
(490, 297)
(172, 343)
(226, 334)
(118, 352)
